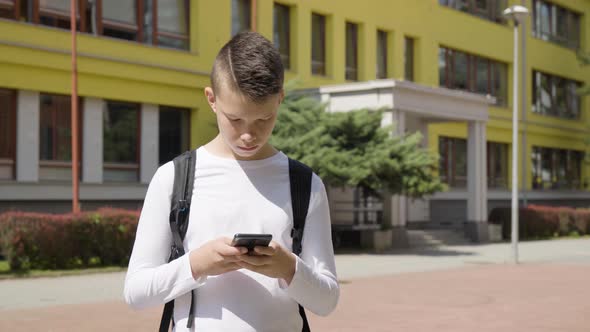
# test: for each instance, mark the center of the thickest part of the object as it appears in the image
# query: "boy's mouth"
(248, 149)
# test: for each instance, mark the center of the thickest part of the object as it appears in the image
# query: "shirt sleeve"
(150, 279)
(315, 285)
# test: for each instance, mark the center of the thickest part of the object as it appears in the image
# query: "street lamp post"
(517, 14)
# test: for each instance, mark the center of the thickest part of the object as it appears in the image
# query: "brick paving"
(501, 297)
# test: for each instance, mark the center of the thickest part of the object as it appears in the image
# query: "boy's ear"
(210, 98)
(281, 96)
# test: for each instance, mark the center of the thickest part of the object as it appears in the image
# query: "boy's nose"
(247, 137)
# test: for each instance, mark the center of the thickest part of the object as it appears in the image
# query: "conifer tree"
(353, 149)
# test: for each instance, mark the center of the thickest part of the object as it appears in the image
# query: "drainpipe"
(74, 97)
(525, 158)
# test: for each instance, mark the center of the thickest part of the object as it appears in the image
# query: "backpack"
(184, 170)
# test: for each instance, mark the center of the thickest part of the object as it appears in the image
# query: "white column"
(399, 121)
(395, 206)
(149, 142)
(476, 172)
(27, 140)
(423, 128)
(92, 130)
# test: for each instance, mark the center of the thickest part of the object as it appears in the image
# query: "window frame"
(11, 144)
(351, 72)
(286, 58)
(555, 181)
(156, 33)
(136, 165)
(449, 156)
(138, 29)
(233, 33)
(54, 161)
(554, 110)
(491, 13)
(142, 29)
(450, 56)
(54, 123)
(182, 110)
(12, 4)
(492, 157)
(81, 23)
(319, 68)
(572, 23)
(382, 47)
(409, 54)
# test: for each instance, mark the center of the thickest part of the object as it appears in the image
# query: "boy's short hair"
(249, 64)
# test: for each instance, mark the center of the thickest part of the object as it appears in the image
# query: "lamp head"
(516, 13)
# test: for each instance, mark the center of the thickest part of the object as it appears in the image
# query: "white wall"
(92, 159)
(27, 139)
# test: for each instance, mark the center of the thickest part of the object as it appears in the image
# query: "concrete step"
(436, 238)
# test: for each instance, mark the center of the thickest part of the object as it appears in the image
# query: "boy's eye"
(234, 120)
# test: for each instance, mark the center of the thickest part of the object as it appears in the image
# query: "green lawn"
(5, 272)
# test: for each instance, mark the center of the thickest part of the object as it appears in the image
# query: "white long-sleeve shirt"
(229, 197)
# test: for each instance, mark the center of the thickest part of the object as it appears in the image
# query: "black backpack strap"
(184, 176)
(300, 181)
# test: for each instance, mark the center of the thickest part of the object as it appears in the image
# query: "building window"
(55, 128)
(170, 23)
(55, 137)
(409, 59)
(318, 44)
(497, 165)
(56, 13)
(174, 132)
(121, 142)
(382, 54)
(487, 9)
(10, 9)
(463, 71)
(157, 22)
(557, 168)
(351, 51)
(453, 161)
(556, 96)
(282, 33)
(120, 19)
(7, 134)
(241, 16)
(556, 24)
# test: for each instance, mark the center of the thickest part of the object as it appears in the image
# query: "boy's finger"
(255, 260)
(268, 251)
(232, 251)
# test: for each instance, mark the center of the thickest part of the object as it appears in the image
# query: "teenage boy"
(241, 185)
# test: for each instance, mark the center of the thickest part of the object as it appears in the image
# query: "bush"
(46, 241)
(537, 221)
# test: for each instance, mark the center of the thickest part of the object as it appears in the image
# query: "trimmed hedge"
(46, 241)
(537, 221)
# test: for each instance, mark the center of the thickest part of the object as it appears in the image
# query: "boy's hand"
(215, 257)
(273, 261)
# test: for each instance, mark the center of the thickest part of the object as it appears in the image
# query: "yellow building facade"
(36, 57)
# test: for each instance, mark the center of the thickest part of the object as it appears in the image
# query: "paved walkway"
(460, 288)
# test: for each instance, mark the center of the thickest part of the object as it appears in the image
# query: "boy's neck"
(218, 148)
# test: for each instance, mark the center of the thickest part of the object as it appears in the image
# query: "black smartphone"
(251, 240)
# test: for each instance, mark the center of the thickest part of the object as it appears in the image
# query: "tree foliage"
(353, 149)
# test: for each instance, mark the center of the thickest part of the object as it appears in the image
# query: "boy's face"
(245, 126)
